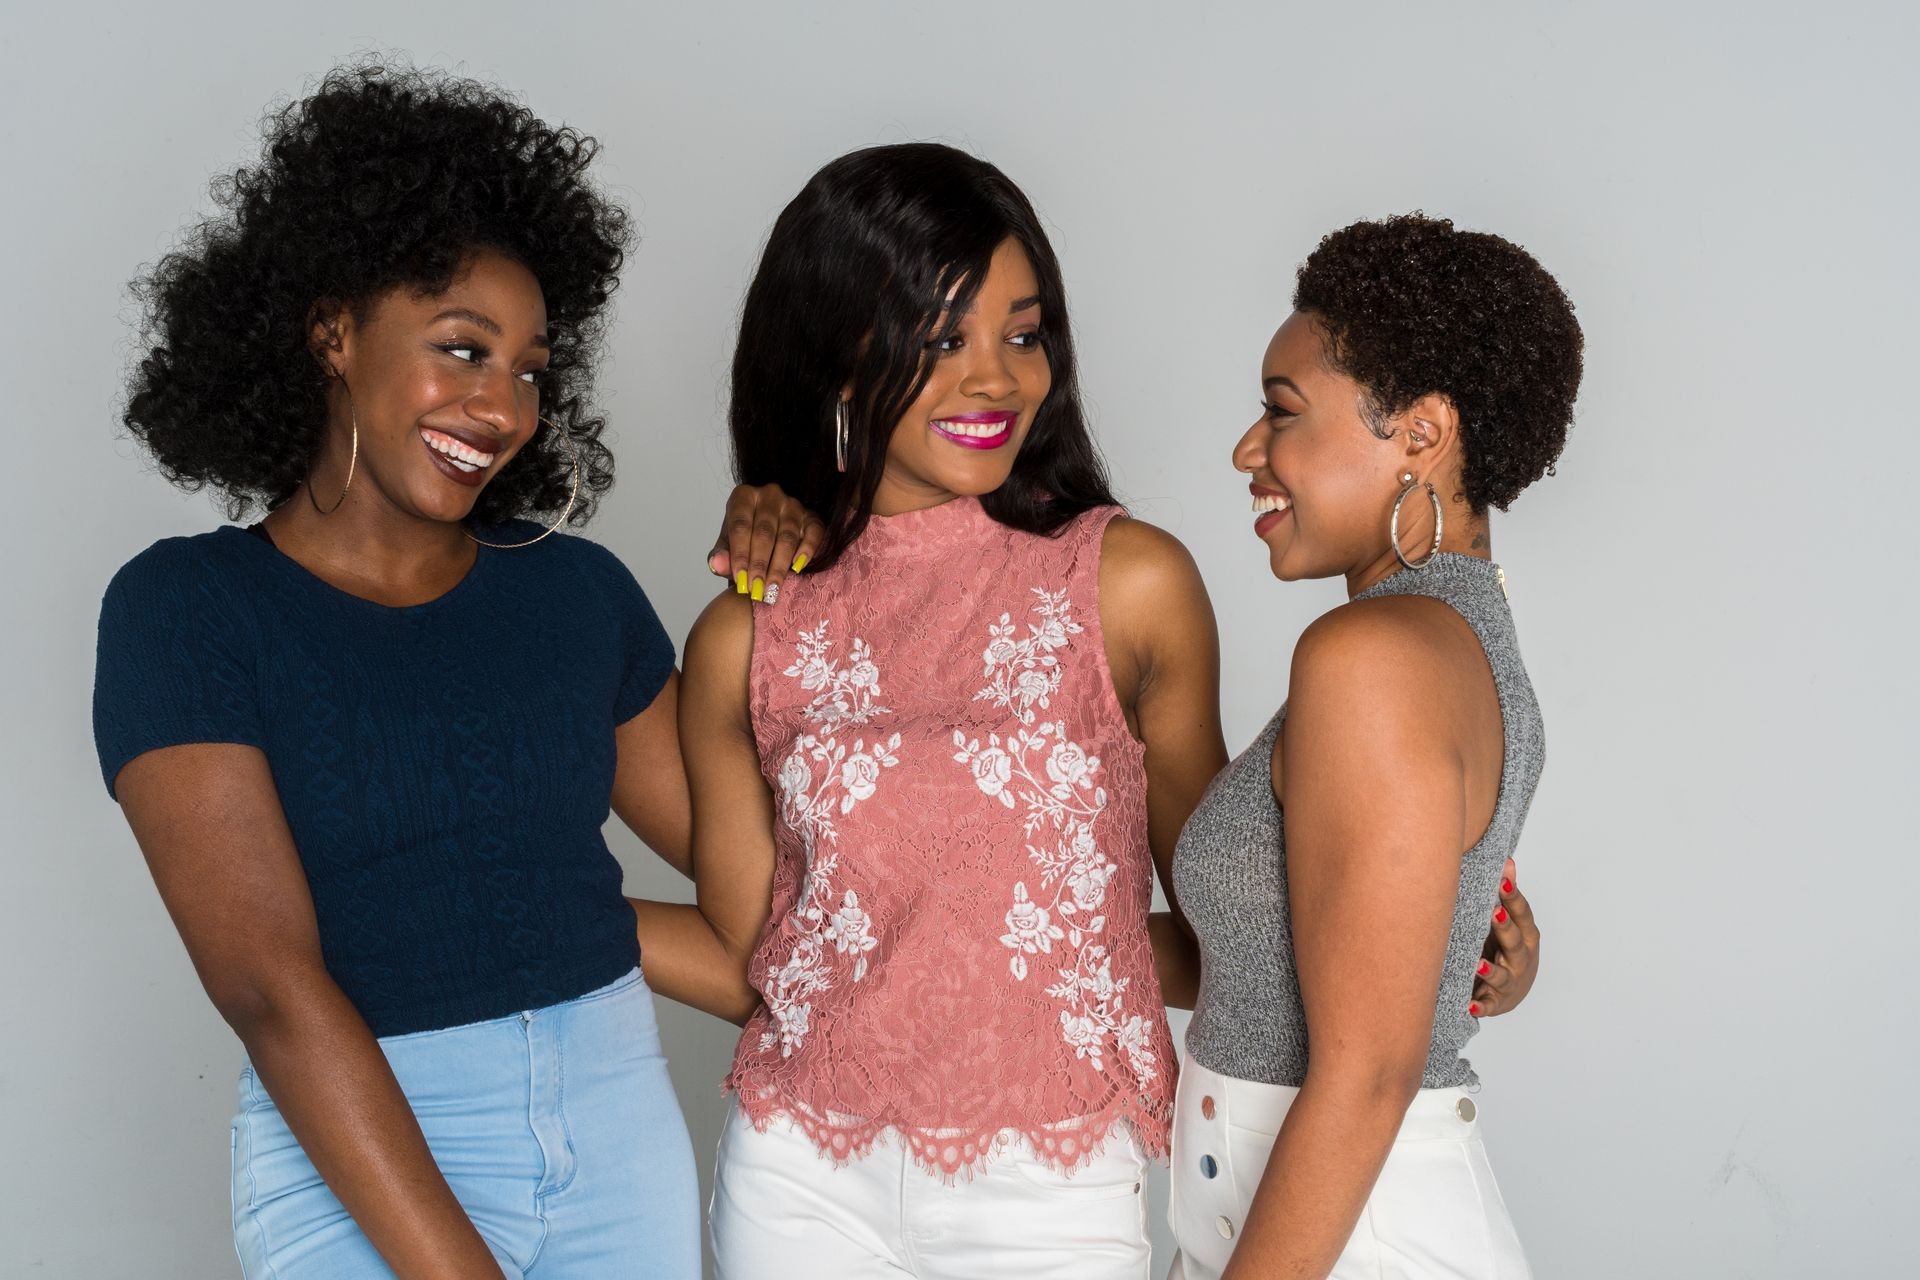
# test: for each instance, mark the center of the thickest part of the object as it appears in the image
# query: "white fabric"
(782, 1209)
(1436, 1211)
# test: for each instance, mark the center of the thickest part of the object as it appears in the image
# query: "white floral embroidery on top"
(810, 801)
(1036, 766)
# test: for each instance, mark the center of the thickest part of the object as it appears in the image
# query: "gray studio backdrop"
(1710, 1079)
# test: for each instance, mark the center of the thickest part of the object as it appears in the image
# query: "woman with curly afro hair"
(1324, 1123)
(367, 744)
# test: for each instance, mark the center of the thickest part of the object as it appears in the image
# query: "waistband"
(1260, 1108)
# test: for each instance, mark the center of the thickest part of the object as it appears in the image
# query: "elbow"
(1384, 1079)
(262, 1007)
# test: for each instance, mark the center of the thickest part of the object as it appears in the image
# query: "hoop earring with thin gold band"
(353, 460)
(1393, 524)
(573, 452)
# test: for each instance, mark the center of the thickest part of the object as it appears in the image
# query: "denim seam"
(560, 1105)
(254, 1219)
(533, 1129)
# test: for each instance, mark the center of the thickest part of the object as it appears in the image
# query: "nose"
(495, 402)
(1251, 453)
(988, 376)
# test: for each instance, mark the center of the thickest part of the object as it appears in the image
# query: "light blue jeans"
(557, 1129)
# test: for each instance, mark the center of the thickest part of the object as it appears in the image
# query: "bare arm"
(1369, 771)
(209, 820)
(697, 954)
(650, 779)
(1164, 649)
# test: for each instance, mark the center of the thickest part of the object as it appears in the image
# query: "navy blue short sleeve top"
(445, 769)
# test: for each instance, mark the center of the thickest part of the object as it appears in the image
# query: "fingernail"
(740, 582)
(1474, 1009)
(717, 563)
(1500, 916)
(1485, 968)
(773, 592)
(1506, 886)
(799, 562)
(759, 589)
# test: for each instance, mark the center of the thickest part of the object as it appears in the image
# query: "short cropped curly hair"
(1410, 306)
(383, 177)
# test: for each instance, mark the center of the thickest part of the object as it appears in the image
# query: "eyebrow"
(1019, 305)
(1283, 381)
(485, 322)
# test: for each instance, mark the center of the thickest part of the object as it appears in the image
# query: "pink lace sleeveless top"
(958, 945)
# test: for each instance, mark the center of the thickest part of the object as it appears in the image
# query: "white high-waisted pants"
(1435, 1213)
(781, 1209)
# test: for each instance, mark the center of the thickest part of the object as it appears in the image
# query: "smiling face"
(444, 388)
(1323, 478)
(988, 377)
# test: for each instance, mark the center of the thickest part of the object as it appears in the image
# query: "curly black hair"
(1409, 306)
(384, 176)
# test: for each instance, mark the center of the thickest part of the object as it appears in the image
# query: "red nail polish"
(1485, 968)
(1506, 886)
(1500, 916)
(1474, 1008)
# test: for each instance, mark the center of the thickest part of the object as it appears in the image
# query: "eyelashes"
(475, 354)
(1025, 343)
(1274, 413)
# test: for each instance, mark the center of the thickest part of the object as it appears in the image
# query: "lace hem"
(952, 1154)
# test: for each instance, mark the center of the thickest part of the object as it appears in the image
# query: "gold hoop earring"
(1393, 524)
(840, 434)
(573, 451)
(353, 460)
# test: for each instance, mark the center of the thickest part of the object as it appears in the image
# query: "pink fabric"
(958, 944)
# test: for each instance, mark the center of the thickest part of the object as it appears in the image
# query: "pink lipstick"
(976, 430)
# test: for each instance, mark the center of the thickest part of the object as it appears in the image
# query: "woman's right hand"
(208, 819)
(764, 536)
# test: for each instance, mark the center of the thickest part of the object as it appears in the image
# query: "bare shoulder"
(1385, 651)
(720, 647)
(1376, 651)
(1147, 574)
(1135, 554)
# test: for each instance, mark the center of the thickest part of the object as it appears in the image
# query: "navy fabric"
(445, 768)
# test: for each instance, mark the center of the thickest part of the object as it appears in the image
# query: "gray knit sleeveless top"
(1230, 870)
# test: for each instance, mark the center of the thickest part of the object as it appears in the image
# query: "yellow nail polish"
(740, 582)
(759, 589)
(800, 562)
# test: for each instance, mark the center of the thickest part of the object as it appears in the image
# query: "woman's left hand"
(764, 536)
(1511, 959)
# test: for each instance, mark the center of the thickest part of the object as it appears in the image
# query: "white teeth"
(1265, 502)
(972, 430)
(462, 456)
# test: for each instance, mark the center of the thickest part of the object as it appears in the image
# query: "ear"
(328, 325)
(1430, 430)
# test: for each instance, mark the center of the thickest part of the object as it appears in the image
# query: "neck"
(367, 544)
(899, 494)
(1469, 536)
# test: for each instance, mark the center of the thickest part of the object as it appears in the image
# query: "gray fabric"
(1231, 870)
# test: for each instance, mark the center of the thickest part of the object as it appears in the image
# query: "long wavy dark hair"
(849, 292)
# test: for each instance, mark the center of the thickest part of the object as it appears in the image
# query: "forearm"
(328, 1077)
(1325, 1161)
(685, 959)
(1176, 957)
